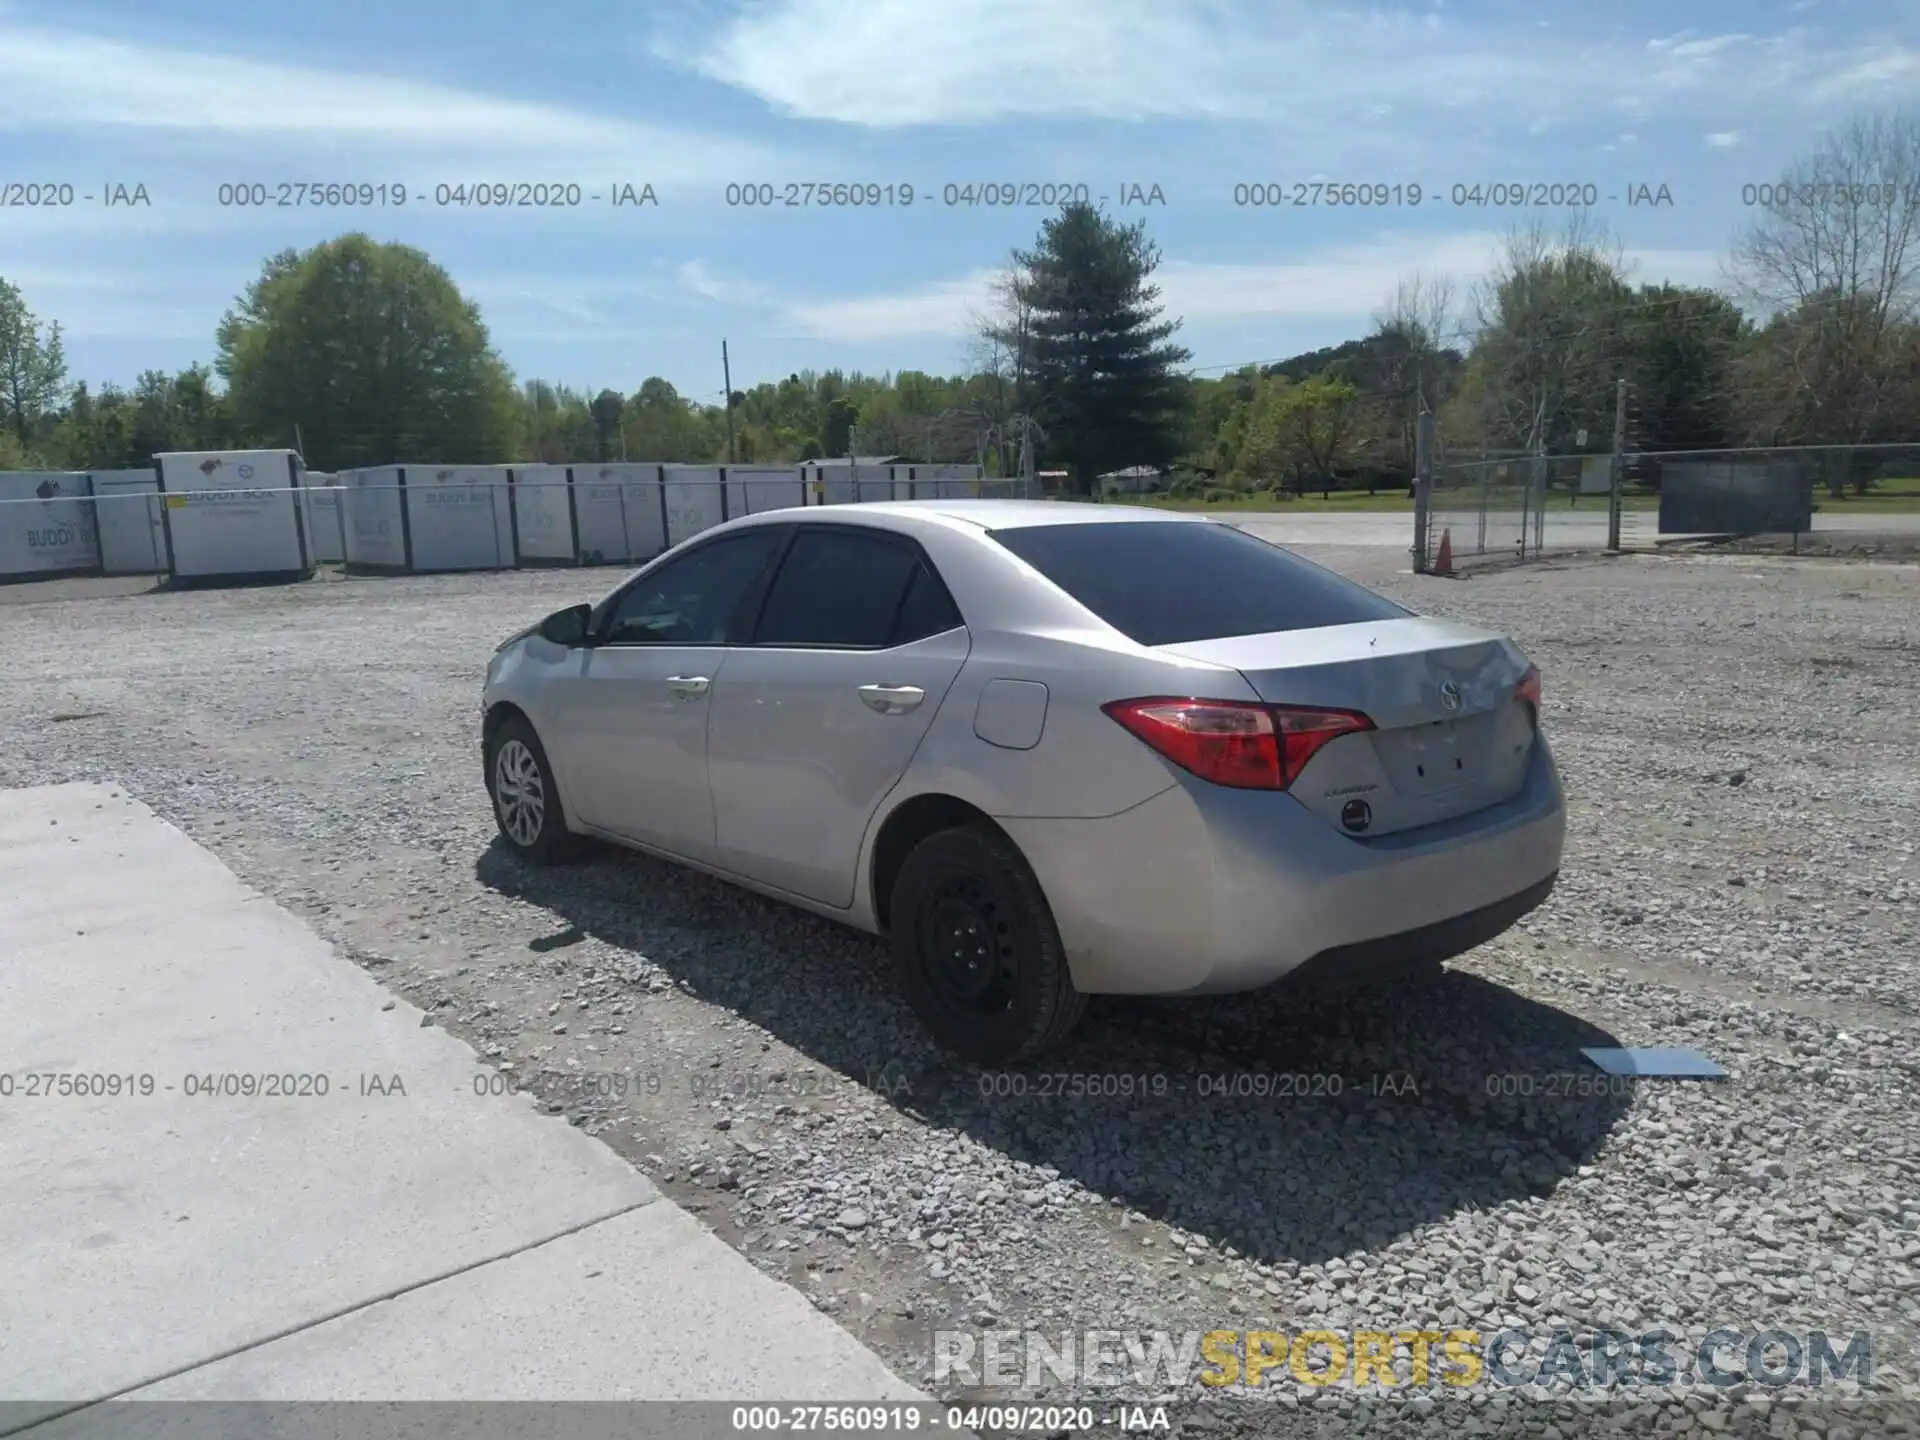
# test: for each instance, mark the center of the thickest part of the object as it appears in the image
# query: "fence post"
(1617, 484)
(1540, 514)
(340, 521)
(1537, 504)
(1526, 499)
(1422, 488)
(1486, 491)
(493, 508)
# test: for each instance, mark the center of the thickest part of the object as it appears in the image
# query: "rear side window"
(853, 590)
(927, 609)
(1171, 582)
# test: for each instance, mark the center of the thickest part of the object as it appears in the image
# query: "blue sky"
(1194, 96)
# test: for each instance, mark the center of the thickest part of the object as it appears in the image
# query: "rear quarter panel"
(1084, 765)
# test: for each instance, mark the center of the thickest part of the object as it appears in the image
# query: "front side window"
(695, 599)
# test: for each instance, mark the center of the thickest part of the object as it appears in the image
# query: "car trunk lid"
(1449, 735)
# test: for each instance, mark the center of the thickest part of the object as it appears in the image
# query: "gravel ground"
(1738, 738)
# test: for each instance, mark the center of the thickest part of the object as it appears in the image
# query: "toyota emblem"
(1449, 695)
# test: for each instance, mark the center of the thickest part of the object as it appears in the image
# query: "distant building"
(1134, 480)
(865, 462)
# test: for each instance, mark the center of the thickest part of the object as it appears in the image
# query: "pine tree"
(1105, 382)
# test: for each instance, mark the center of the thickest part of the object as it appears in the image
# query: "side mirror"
(568, 627)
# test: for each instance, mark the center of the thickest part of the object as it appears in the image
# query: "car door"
(637, 721)
(816, 718)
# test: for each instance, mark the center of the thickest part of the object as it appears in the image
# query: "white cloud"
(602, 300)
(1723, 139)
(698, 278)
(894, 63)
(63, 81)
(92, 303)
(1351, 282)
(34, 279)
(971, 61)
(945, 307)
(1684, 45)
(1898, 67)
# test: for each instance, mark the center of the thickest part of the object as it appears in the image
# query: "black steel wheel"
(976, 949)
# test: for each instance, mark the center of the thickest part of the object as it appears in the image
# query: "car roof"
(980, 514)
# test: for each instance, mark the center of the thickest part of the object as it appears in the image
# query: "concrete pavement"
(383, 1232)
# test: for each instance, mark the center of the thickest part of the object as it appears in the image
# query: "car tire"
(526, 801)
(977, 951)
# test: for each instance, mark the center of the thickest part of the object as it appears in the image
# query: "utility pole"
(726, 373)
(1618, 485)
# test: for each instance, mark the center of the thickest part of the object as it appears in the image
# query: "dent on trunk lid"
(1392, 670)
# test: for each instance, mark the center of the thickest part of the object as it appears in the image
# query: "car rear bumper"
(1442, 940)
(1209, 890)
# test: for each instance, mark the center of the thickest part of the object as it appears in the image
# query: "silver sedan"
(1047, 750)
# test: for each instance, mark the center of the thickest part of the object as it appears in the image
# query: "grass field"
(1899, 496)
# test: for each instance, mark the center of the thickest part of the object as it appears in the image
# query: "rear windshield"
(1169, 582)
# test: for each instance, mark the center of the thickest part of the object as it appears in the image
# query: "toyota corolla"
(1048, 751)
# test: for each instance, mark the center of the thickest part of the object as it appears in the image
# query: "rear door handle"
(892, 699)
(688, 687)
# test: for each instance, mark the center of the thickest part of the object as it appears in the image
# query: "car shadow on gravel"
(1292, 1124)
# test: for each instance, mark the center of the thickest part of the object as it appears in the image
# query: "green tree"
(1304, 432)
(1104, 379)
(199, 416)
(1835, 261)
(1405, 369)
(14, 455)
(660, 426)
(1791, 385)
(152, 415)
(608, 406)
(1679, 349)
(885, 427)
(837, 433)
(370, 353)
(33, 367)
(1546, 360)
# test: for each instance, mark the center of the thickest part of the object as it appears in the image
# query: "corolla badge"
(1449, 695)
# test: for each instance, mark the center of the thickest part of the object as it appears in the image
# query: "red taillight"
(1231, 742)
(1529, 687)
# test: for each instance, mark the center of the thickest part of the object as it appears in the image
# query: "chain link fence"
(1512, 506)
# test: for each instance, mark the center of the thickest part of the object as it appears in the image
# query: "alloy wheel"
(520, 792)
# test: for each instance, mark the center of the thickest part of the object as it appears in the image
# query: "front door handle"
(892, 699)
(688, 687)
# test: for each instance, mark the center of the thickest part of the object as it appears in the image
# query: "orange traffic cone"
(1443, 562)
